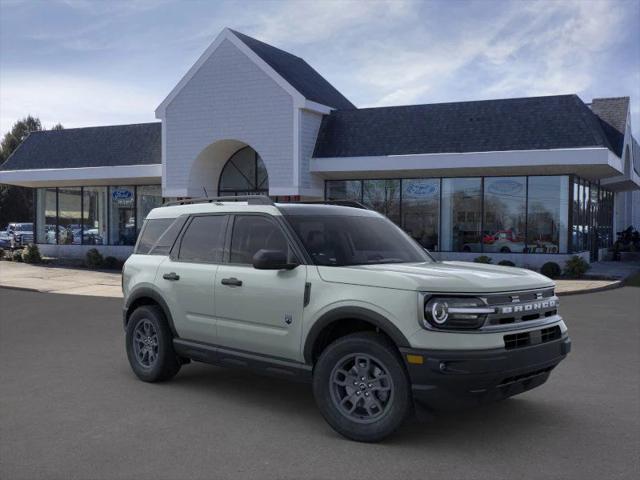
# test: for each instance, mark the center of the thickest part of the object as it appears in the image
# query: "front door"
(187, 279)
(259, 311)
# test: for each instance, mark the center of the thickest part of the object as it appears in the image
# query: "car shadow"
(511, 419)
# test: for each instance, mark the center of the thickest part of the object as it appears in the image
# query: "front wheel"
(361, 387)
(150, 345)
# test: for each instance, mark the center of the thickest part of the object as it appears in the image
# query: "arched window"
(244, 174)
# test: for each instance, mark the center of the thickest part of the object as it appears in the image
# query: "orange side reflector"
(415, 359)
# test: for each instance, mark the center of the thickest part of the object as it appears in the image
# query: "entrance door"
(259, 310)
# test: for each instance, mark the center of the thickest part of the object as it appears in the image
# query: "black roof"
(533, 123)
(298, 73)
(108, 146)
(612, 113)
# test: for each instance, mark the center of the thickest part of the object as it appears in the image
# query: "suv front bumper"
(450, 379)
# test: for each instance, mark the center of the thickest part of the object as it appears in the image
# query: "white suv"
(341, 297)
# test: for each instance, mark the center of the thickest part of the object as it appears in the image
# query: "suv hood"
(447, 277)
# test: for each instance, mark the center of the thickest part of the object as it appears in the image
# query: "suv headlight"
(455, 312)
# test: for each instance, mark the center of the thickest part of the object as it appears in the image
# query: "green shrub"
(482, 259)
(16, 256)
(31, 254)
(506, 263)
(576, 266)
(551, 270)
(94, 258)
(1, 253)
(111, 263)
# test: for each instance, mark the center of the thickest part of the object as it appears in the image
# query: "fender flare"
(147, 292)
(358, 313)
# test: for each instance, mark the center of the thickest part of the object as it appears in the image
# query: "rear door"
(259, 311)
(187, 277)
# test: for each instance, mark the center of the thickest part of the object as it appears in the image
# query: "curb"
(613, 286)
(24, 289)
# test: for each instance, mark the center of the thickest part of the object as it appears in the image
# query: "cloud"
(296, 22)
(533, 48)
(72, 100)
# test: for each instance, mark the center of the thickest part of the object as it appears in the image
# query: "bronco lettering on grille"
(527, 307)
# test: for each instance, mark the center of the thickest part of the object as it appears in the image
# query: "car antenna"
(205, 191)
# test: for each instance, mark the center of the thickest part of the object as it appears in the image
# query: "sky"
(101, 62)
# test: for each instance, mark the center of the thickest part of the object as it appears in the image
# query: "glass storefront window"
(344, 190)
(504, 214)
(421, 210)
(94, 216)
(461, 214)
(148, 198)
(122, 221)
(383, 196)
(70, 216)
(547, 215)
(46, 215)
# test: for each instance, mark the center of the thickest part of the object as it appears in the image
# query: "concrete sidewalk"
(72, 281)
(80, 281)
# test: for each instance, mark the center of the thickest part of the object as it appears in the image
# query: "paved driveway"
(70, 408)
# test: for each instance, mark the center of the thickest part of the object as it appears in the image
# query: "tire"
(153, 358)
(505, 250)
(388, 400)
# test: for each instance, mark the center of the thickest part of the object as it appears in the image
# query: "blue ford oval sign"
(422, 189)
(121, 194)
(505, 187)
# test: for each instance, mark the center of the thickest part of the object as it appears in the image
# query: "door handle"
(173, 276)
(232, 282)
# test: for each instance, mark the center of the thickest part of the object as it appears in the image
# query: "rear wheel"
(361, 387)
(150, 345)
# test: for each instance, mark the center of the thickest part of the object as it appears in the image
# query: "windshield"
(354, 240)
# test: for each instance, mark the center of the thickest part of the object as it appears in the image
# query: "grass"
(633, 281)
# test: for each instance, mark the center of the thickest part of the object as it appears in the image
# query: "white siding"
(229, 98)
(310, 184)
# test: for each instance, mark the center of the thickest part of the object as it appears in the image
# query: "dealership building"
(525, 179)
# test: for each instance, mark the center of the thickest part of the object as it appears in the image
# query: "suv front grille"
(521, 307)
(535, 337)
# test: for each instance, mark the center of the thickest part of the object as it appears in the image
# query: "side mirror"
(272, 260)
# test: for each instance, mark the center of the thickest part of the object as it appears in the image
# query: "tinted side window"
(151, 232)
(203, 240)
(252, 233)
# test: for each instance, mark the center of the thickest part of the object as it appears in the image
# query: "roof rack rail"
(342, 203)
(250, 199)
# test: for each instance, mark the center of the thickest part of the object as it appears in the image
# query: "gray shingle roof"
(533, 123)
(108, 146)
(298, 73)
(613, 116)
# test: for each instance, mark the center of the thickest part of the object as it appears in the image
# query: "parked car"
(5, 239)
(19, 234)
(340, 297)
(503, 241)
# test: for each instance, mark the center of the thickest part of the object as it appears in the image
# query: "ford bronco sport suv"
(338, 296)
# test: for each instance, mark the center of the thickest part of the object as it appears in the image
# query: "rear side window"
(203, 241)
(168, 238)
(151, 232)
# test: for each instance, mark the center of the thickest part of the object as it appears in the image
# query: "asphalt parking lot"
(71, 408)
